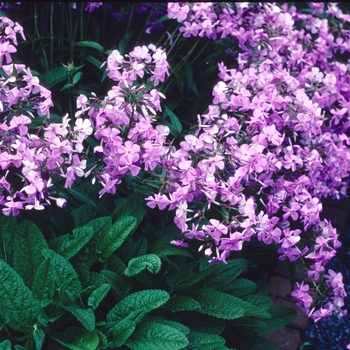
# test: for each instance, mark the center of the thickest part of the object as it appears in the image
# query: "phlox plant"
(253, 166)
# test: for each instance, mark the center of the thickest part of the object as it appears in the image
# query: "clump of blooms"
(272, 144)
(29, 160)
(124, 121)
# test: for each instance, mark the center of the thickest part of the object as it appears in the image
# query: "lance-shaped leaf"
(239, 286)
(44, 281)
(39, 337)
(139, 302)
(98, 295)
(77, 338)
(116, 235)
(122, 331)
(29, 242)
(155, 336)
(16, 300)
(83, 214)
(69, 244)
(65, 277)
(151, 262)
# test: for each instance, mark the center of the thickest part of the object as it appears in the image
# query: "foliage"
(80, 291)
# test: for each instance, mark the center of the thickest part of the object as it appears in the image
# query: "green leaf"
(134, 205)
(176, 325)
(66, 86)
(116, 235)
(175, 122)
(85, 316)
(77, 77)
(91, 59)
(91, 44)
(98, 295)
(54, 77)
(69, 244)
(122, 331)
(65, 277)
(8, 230)
(155, 336)
(189, 77)
(29, 242)
(5, 345)
(77, 338)
(225, 273)
(151, 262)
(139, 248)
(44, 281)
(83, 214)
(16, 300)
(182, 303)
(218, 304)
(143, 301)
(118, 283)
(81, 196)
(239, 286)
(204, 341)
(39, 337)
(281, 316)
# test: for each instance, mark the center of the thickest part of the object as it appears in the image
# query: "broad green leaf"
(83, 214)
(77, 338)
(69, 244)
(134, 205)
(117, 282)
(8, 230)
(176, 325)
(16, 300)
(54, 77)
(115, 264)
(98, 295)
(44, 281)
(225, 273)
(5, 345)
(151, 262)
(39, 337)
(91, 44)
(29, 242)
(182, 303)
(116, 235)
(65, 277)
(122, 331)
(260, 301)
(204, 341)
(155, 336)
(85, 316)
(218, 304)
(143, 301)
(281, 316)
(239, 286)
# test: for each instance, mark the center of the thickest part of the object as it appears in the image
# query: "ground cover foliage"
(233, 116)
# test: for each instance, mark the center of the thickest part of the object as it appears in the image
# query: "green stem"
(51, 36)
(38, 35)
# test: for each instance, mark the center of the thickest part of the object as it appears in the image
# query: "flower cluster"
(124, 121)
(29, 160)
(272, 144)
